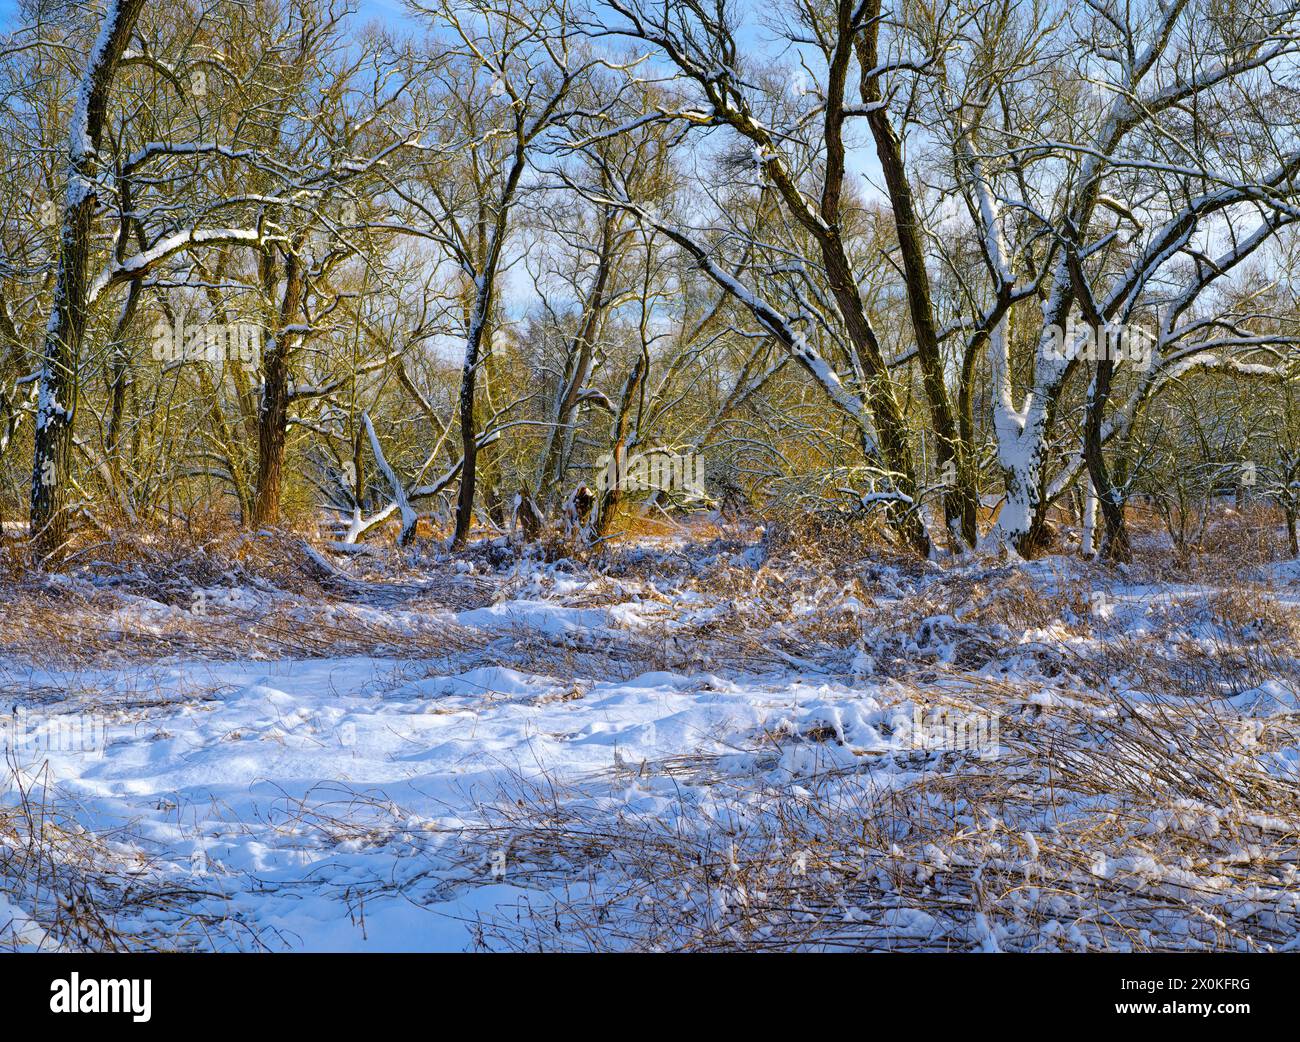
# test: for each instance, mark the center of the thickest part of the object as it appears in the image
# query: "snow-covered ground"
(692, 745)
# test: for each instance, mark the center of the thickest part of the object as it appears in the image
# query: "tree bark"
(612, 496)
(1115, 541)
(468, 427)
(57, 397)
(952, 451)
(576, 371)
(484, 296)
(273, 414)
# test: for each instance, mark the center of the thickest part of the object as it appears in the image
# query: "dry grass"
(1104, 825)
(50, 630)
(1233, 540)
(226, 595)
(87, 891)
(1110, 820)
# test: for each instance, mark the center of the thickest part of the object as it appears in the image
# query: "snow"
(1268, 699)
(543, 616)
(17, 925)
(425, 802)
(216, 776)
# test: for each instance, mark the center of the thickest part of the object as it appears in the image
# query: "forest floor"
(713, 739)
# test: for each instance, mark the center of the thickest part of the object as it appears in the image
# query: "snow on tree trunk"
(400, 501)
(1088, 540)
(61, 358)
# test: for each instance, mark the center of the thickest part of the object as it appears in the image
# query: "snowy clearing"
(701, 744)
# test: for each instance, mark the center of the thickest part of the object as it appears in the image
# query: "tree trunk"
(1115, 542)
(890, 424)
(576, 372)
(273, 415)
(468, 427)
(484, 295)
(1087, 540)
(57, 398)
(952, 451)
(612, 495)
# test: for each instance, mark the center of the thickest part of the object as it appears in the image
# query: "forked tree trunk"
(612, 494)
(1115, 542)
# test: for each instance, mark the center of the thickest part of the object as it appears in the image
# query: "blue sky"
(380, 10)
(387, 11)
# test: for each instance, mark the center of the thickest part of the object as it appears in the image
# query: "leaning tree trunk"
(612, 494)
(57, 398)
(953, 451)
(891, 425)
(577, 370)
